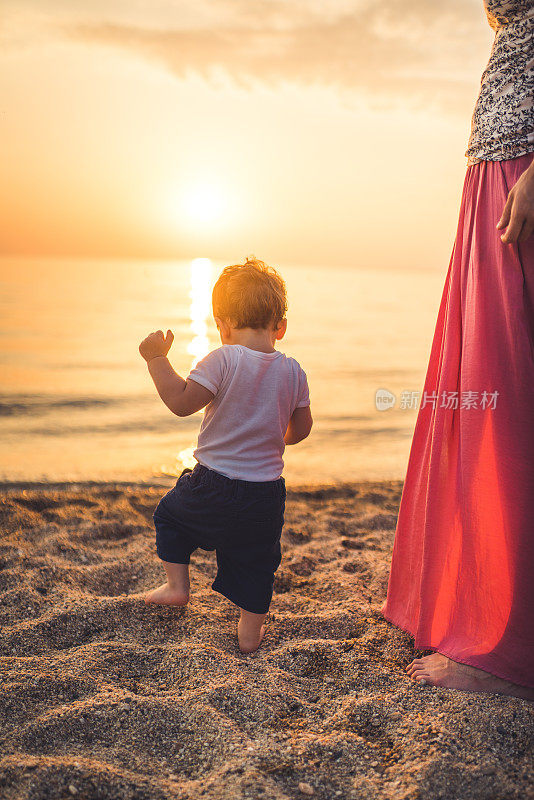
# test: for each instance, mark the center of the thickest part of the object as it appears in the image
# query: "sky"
(304, 132)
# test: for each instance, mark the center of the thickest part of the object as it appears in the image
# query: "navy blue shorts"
(241, 520)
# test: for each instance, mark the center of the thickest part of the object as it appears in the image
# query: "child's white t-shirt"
(242, 433)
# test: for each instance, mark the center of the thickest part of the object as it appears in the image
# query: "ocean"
(77, 402)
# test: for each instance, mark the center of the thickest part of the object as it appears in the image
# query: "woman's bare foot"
(438, 670)
(250, 631)
(176, 591)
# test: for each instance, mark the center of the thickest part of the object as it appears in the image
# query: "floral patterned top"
(503, 120)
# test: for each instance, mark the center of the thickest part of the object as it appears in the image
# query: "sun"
(205, 204)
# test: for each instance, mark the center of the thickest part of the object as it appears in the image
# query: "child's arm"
(180, 396)
(299, 426)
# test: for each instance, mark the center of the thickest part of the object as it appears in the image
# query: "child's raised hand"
(156, 344)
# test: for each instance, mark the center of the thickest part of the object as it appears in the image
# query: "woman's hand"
(156, 344)
(518, 214)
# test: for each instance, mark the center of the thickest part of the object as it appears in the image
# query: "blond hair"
(250, 295)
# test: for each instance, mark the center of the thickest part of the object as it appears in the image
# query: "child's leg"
(176, 591)
(250, 630)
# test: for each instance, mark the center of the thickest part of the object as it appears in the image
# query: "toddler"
(256, 402)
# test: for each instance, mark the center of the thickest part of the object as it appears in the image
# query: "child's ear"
(281, 329)
(223, 326)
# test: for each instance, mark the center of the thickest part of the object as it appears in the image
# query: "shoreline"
(297, 489)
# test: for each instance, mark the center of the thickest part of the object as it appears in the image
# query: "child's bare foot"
(166, 595)
(438, 670)
(250, 631)
(176, 591)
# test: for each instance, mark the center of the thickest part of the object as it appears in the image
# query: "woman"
(462, 573)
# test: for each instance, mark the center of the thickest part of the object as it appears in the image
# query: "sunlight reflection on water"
(199, 310)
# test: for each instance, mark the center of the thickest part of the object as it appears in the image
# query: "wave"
(38, 404)
(139, 426)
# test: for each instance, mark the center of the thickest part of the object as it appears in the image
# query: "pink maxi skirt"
(462, 573)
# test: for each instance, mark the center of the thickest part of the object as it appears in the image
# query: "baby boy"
(256, 401)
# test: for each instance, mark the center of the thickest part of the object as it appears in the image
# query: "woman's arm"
(518, 214)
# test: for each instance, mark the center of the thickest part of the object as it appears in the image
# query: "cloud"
(416, 50)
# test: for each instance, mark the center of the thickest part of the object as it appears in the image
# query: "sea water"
(77, 401)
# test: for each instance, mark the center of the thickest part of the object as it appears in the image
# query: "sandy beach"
(105, 697)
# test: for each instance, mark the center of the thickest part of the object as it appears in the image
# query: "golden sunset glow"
(164, 130)
(155, 133)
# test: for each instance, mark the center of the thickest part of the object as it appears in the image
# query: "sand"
(106, 697)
